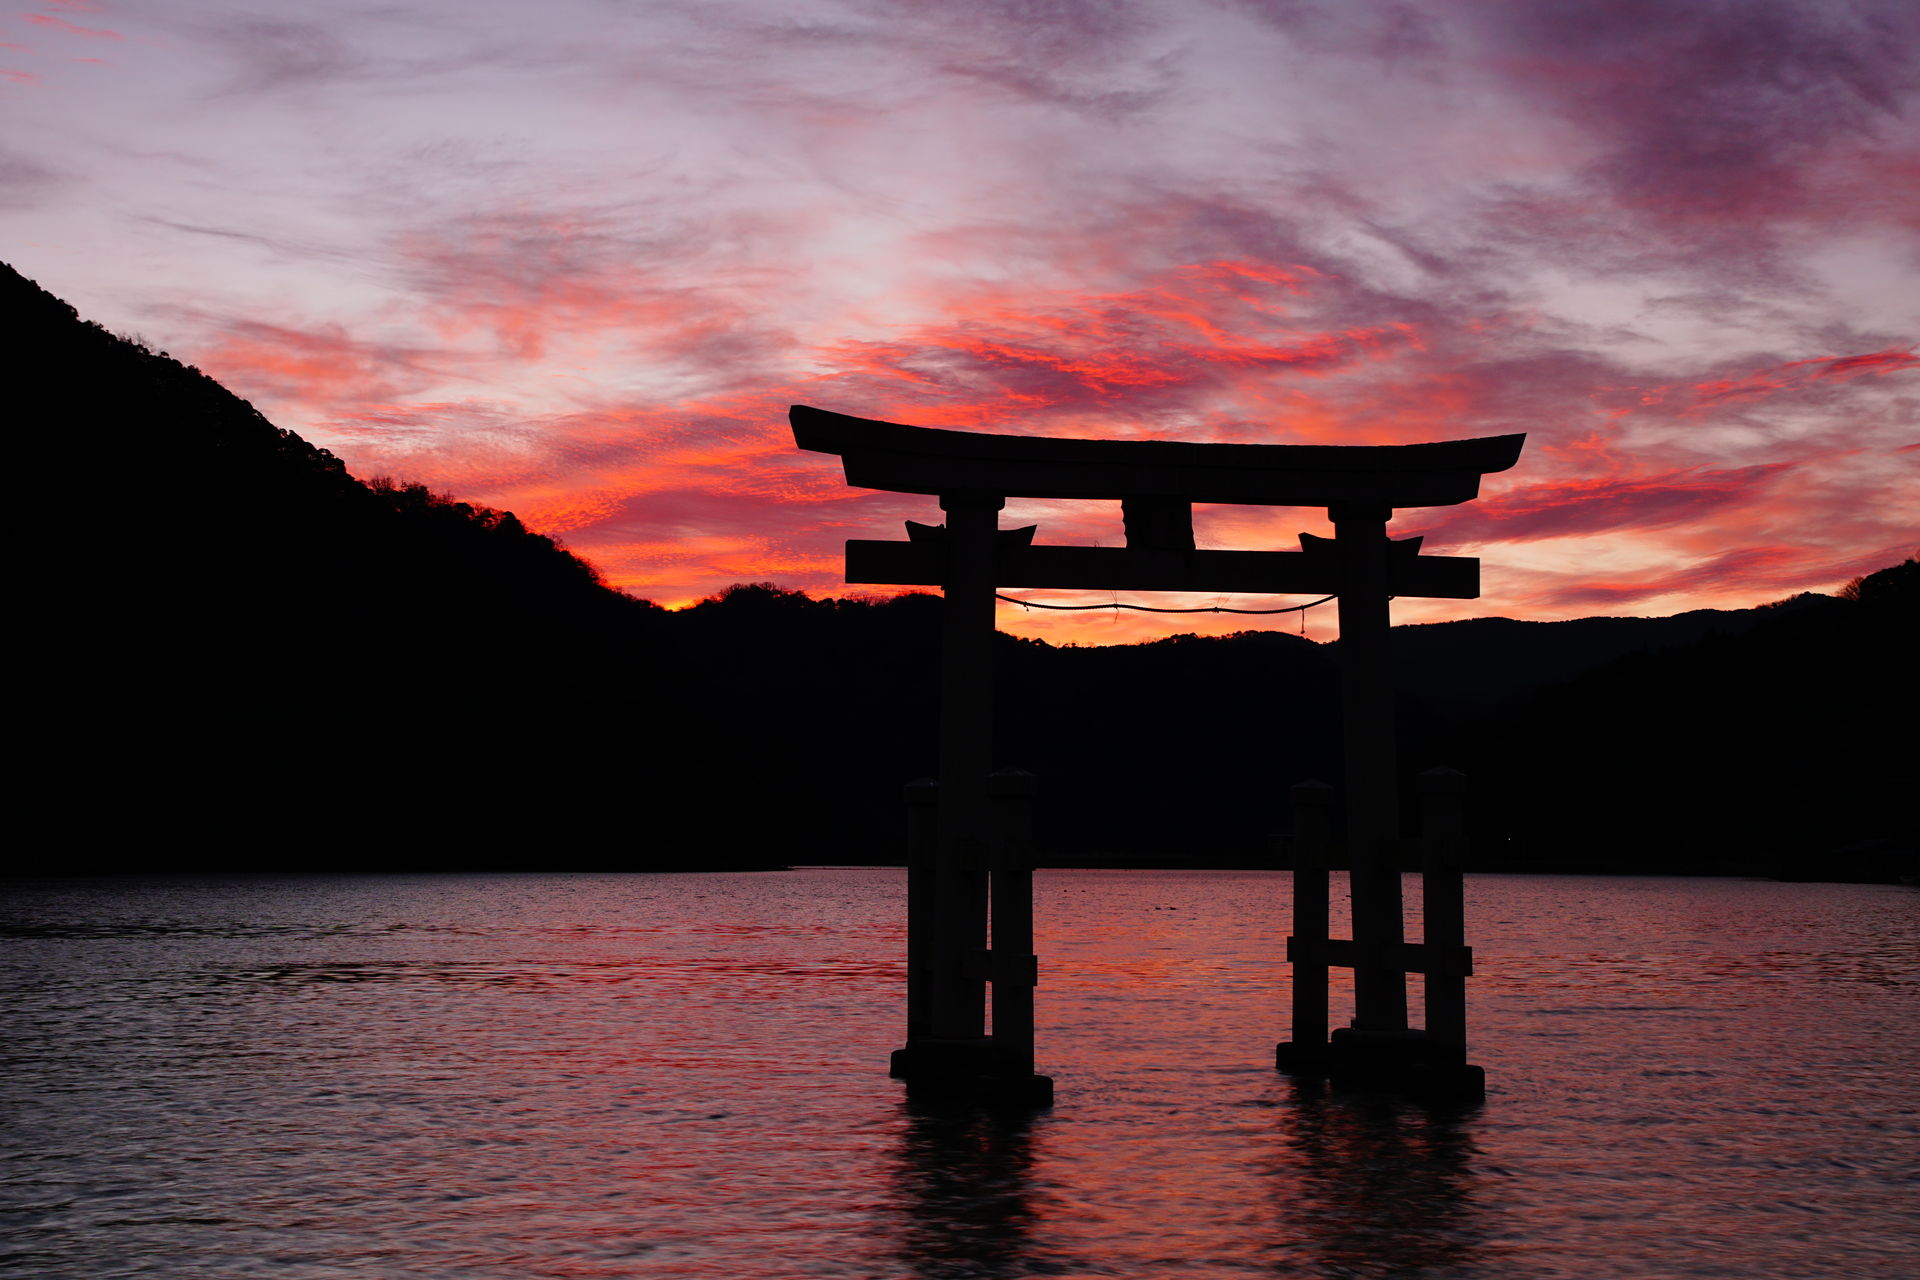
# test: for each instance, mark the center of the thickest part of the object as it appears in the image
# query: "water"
(678, 1076)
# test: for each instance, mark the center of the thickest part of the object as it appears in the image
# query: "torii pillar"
(1373, 801)
(956, 982)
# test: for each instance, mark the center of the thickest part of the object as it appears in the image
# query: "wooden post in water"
(966, 756)
(1443, 838)
(1312, 824)
(923, 798)
(1014, 968)
(1373, 819)
(1443, 906)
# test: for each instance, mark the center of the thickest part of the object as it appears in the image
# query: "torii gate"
(977, 849)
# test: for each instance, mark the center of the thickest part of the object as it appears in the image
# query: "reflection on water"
(1371, 1186)
(963, 1180)
(684, 1076)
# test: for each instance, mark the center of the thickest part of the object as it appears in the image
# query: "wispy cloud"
(69, 28)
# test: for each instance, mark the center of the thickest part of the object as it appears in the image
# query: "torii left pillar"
(948, 959)
(957, 984)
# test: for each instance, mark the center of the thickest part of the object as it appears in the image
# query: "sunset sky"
(575, 259)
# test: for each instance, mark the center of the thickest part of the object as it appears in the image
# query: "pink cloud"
(309, 368)
(1774, 571)
(61, 24)
(1579, 506)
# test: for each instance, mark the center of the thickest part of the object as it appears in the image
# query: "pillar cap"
(1312, 791)
(1012, 782)
(1441, 780)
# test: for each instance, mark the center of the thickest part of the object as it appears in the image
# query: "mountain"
(237, 654)
(1786, 742)
(1713, 741)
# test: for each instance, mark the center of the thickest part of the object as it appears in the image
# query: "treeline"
(1786, 746)
(238, 655)
(1776, 740)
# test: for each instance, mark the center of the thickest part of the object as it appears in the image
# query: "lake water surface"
(678, 1076)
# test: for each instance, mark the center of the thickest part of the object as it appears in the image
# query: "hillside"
(241, 655)
(1742, 740)
(1787, 743)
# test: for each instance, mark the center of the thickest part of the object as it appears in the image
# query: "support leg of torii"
(923, 799)
(1445, 1070)
(1373, 810)
(1312, 837)
(956, 954)
(1014, 967)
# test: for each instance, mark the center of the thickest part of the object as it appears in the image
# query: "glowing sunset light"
(575, 263)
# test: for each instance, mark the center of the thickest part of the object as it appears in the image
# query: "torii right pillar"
(1378, 1046)
(1373, 802)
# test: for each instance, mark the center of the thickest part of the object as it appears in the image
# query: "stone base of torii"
(970, 912)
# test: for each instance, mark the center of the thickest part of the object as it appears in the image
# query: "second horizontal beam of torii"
(1315, 570)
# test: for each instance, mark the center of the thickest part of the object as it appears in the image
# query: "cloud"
(72, 29)
(1746, 565)
(274, 54)
(647, 280)
(1773, 572)
(26, 182)
(1190, 335)
(1562, 508)
(1711, 109)
(276, 242)
(311, 368)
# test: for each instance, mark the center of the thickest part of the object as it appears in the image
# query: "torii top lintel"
(904, 459)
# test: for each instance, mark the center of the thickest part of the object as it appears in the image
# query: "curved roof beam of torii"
(906, 459)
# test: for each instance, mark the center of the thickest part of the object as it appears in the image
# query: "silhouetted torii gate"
(977, 849)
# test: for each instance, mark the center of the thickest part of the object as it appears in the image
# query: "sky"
(575, 260)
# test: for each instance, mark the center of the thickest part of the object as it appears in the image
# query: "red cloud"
(1703, 397)
(1877, 362)
(1561, 508)
(1748, 566)
(1104, 361)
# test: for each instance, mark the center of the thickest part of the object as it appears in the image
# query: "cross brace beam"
(1310, 572)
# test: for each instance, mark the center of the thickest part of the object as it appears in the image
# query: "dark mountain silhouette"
(238, 655)
(1458, 667)
(1785, 741)
(1739, 740)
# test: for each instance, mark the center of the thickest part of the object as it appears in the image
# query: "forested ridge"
(241, 656)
